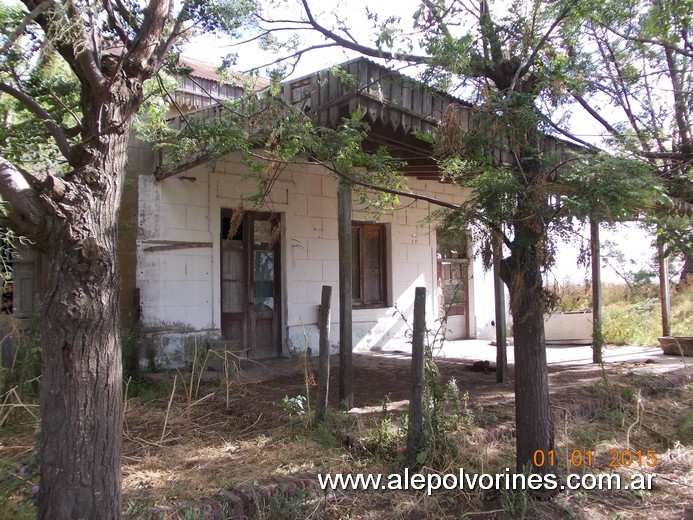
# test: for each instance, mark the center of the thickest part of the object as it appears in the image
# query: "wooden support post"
(415, 428)
(597, 336)
(324, 372)
(664, 294)
(346, 393)
(501, 328)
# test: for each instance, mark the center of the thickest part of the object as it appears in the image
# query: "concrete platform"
(479, 350)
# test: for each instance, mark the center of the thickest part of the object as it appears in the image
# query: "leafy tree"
(633, 61)
(513, 68)
(71, 81)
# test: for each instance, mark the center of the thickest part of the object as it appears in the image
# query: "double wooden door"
(250, 282)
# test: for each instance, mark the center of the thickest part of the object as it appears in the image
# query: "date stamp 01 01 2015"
(587, 458)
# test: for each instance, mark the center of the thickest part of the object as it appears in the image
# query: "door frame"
(248, 327)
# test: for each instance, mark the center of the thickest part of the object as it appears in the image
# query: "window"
(453, 274)
(368, 252)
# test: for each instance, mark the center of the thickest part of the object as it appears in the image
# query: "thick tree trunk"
(81, 385)
(532, 404)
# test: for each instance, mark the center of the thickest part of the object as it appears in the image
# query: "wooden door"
(250, 283)
(453, 290)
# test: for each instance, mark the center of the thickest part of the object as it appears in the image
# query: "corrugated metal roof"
(204, 70)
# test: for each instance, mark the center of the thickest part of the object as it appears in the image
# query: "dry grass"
(208, 448)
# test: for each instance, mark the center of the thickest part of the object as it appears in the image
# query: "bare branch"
(489, 34)
(83, 56)
(296, 54)
(572, 137)
(391, 191)
(584, 104)
(680, 108)
(374, 187)
(146, 43)
(678, 50)
(31, 105)
(113, 21)
(165, 46)
(180, 111)
(366, 51)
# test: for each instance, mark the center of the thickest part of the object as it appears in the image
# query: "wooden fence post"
(499, 297)
(346, 371)
(597, 335)
(324, 372)
(415, 429)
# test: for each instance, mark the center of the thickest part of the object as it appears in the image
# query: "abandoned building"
(201, 264)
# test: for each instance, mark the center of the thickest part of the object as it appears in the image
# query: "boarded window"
(369, 257)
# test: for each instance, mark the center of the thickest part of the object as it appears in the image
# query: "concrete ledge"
(568, 328)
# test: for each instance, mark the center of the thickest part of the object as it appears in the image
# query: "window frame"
(358, 302)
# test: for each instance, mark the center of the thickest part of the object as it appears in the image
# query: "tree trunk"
(81, 385)
(534, 423)
(687, 271)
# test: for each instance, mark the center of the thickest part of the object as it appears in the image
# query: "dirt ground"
(256, 440)
(386, 375)
(205, 438)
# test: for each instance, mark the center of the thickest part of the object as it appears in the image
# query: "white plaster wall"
(176, 288)
(570, 328)
(482, 307)
(180, 289)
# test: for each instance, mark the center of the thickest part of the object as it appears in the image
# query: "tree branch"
(649, 41)
(38, 111)
(84, 55)
(165, 46)
(113, 21)
(28, 18)
(296, 54)
(366, 51)
(570, 136)
(26, 214)
(522, 70)
(584, 104)
(138, 63)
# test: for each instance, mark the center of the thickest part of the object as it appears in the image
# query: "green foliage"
(283, 505)
(22, 140)
(131, 361)
(388, 436)
(444, 413)
(284, 134)
(296, 406)
(632, 315)
(19, 488)
(22, 378)
(633, 57)
(218, 16)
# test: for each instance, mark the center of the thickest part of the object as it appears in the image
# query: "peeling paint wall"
(180, 284)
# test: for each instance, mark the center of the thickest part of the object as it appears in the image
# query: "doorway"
(250, 282)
